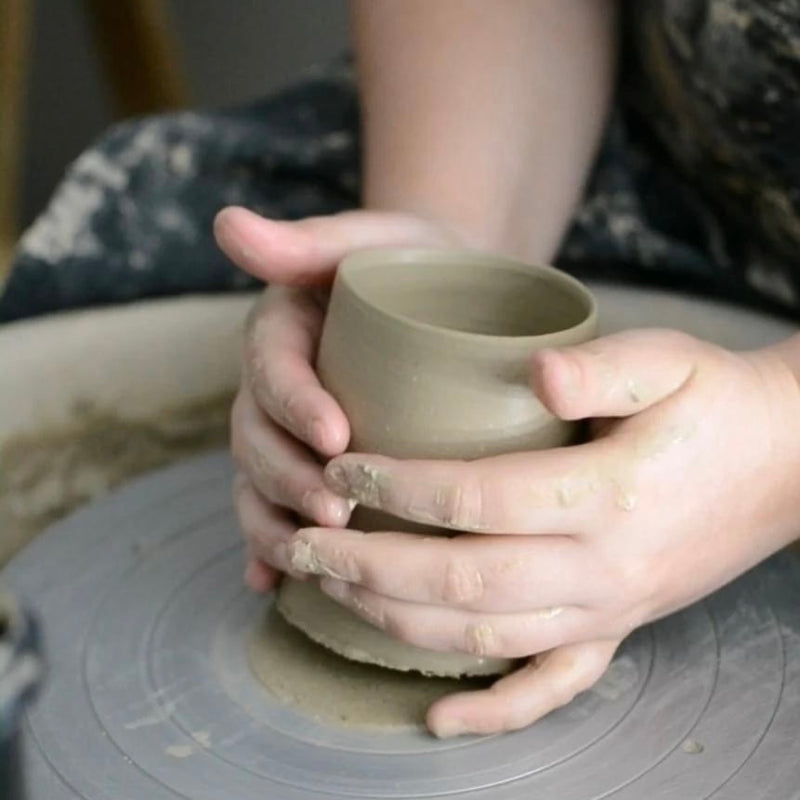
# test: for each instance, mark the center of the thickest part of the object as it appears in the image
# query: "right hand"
(284, 425)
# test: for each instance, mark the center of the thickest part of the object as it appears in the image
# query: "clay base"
(334, 689)
(303, 605)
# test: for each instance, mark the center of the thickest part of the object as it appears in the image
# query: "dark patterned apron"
(697, 185)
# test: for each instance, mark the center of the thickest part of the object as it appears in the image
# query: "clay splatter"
(203, 738)
(180, 751)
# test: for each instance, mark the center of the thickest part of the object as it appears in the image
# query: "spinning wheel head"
(150, 691)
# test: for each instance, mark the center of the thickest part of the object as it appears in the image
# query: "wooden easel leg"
(15, 32)
(140, 53)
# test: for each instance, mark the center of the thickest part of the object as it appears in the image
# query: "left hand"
(693, 477)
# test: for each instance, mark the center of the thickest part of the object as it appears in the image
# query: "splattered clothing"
(697, 184)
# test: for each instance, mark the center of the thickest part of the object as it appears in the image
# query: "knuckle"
(460, 505)
(281, 488)
(284, 405)
(558, 687)
(271, 481)
(462, 583)
(287, 405)
(372, 612)
(254, 375)
(258, 463)
(253, 355)
(481, 640)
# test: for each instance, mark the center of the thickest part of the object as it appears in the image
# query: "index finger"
(544, 492)
(280, 344)
(519, 699)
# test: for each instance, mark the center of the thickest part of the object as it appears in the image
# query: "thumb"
(307, 251)
(547, 682)
(617, 375)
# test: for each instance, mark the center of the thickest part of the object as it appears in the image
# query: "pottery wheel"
(149, 694)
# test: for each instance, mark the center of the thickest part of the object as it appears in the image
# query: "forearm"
(484, 114)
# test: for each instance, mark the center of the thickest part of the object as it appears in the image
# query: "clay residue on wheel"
(46, 474)
(334, 689)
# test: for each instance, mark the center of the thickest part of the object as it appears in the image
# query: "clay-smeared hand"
(693, 476)
(283, 421)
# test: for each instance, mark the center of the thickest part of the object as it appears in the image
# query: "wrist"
(782, 363)
(787, 356)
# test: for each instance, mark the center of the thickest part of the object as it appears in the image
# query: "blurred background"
(77, 62)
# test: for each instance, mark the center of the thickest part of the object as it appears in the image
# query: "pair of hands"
(692, 476)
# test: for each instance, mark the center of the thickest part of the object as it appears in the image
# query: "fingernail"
(358, 481)
(333, 587)
(339, 511)
(449, 729)
(336, 478)
(303, 557)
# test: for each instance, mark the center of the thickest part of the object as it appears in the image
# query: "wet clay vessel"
(427, 352)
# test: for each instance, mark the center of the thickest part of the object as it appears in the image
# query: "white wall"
(235, 51)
